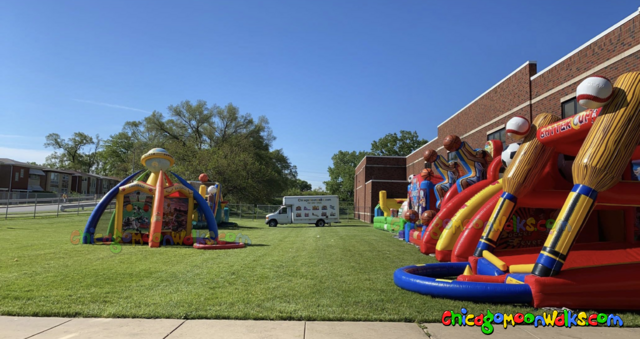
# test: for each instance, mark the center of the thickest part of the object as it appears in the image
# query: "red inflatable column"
(155, 233)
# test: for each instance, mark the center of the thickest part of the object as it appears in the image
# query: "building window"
(65, 182)
(17, 176)
(21, 173)
(498, 135)
(571, 108)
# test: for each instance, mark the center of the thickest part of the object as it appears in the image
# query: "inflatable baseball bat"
(599, 165)
(518, 179)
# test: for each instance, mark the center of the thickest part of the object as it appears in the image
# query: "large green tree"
(79, 152)
(232, 148)
(341, 174)
(394, 144)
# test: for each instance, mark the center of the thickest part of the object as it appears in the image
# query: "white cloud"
(111, 105)
(24, 155)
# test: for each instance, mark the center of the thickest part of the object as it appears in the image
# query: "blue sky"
(329, 75)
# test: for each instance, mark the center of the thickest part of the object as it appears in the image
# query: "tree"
(72, 151)
(393, 144)
(342, 172)
(303, 185)
(232, 148)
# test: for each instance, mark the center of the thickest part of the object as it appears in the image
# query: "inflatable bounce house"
(559, 228)
(156, 210)
(432, 195)
(213, 192)
(390, 209)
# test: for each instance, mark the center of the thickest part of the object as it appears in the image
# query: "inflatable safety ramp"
(616, 278)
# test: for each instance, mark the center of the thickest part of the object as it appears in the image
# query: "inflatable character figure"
(474, 161)
(446, 170)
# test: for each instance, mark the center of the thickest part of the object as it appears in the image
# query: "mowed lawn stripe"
(291, 272)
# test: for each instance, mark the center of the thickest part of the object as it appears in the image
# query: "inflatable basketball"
(430, 155)
(427, 216)
(594, 92)
(410, 216)
(452, 143)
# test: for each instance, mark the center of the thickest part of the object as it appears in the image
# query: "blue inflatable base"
(430, 279)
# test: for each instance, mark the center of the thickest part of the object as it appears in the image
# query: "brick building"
(16, 176)
(526, 91)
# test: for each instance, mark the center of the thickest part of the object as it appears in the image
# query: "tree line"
(341, 174)
(232, 148)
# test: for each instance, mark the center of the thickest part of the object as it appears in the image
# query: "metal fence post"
(255, 212)
(78, 200)
(6, 212)
(35, 206)
(58, 209)
(240, 209)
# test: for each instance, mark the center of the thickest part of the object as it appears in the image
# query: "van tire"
(273, 223)
(320, 223)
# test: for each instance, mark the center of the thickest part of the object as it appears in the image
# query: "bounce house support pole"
(202, 206)
(155, 233)
(87, 237)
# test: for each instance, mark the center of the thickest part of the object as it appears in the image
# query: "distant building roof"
(6, 161)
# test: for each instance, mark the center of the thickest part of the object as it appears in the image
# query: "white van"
(309, 209)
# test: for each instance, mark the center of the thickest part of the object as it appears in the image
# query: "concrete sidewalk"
(94, 328)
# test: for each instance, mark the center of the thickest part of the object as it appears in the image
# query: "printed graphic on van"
(315, 208)
(298, 215)
(332, 207)
(306, 215)
(298, 208)
(324, 214)
(324, 207)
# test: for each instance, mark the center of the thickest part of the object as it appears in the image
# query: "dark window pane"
(579, 108)
(569, 108)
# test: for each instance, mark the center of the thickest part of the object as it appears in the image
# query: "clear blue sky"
(329, 75)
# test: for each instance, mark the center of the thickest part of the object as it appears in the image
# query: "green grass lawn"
(299, 272)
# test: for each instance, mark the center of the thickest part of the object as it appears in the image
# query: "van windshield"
(283, 210)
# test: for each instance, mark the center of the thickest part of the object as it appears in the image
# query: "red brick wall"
(511, 93)
(23, 182)
(5, 174)
(366, 187)
(607, 47)
(519, 94)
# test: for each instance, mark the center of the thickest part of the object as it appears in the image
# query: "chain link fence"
(31, 205)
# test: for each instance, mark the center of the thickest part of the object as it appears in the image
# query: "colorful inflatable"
(579, 225)
(389, 221)
(155, 211)
(457, 211)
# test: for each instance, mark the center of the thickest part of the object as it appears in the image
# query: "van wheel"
(320, 223)
(273, 223)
